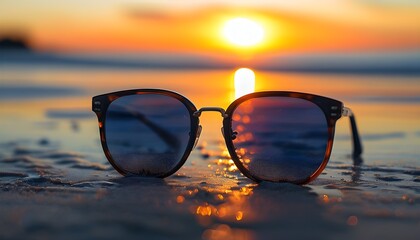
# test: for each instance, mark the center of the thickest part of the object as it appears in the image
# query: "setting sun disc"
(243, 32)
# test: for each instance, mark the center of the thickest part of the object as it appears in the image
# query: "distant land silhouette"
(13, 43)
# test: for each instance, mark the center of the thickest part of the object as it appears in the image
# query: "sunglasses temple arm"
(357, 143)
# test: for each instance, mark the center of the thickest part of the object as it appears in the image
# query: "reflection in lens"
(147, 134)
(280, 138)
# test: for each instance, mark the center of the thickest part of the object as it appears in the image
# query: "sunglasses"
(271, 136)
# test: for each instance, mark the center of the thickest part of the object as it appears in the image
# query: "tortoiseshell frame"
(331, 108)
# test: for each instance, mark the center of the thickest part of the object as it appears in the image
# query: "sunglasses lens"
(147, 134)
(280, 138)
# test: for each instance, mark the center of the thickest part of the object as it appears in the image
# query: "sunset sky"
(197, 26)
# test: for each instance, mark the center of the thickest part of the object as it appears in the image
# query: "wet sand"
(49, 192)
(55, 181)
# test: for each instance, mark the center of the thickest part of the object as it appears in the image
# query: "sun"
(243, 32)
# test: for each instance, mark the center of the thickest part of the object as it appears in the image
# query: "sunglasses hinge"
(210, 109)
(96, 106)
(346, 112)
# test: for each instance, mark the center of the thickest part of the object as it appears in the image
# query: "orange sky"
(140, 26)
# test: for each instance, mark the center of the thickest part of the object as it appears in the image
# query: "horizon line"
(397, 63)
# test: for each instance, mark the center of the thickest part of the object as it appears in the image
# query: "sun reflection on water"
(222, 201)
(244, 82)
(230, 205)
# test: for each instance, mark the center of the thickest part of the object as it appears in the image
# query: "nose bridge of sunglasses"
(210, 109)
(207, 109)
(197, 136)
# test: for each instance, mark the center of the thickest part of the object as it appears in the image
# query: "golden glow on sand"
(244, 82)
(243, 32)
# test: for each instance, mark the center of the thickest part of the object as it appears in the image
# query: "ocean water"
(49, 142)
